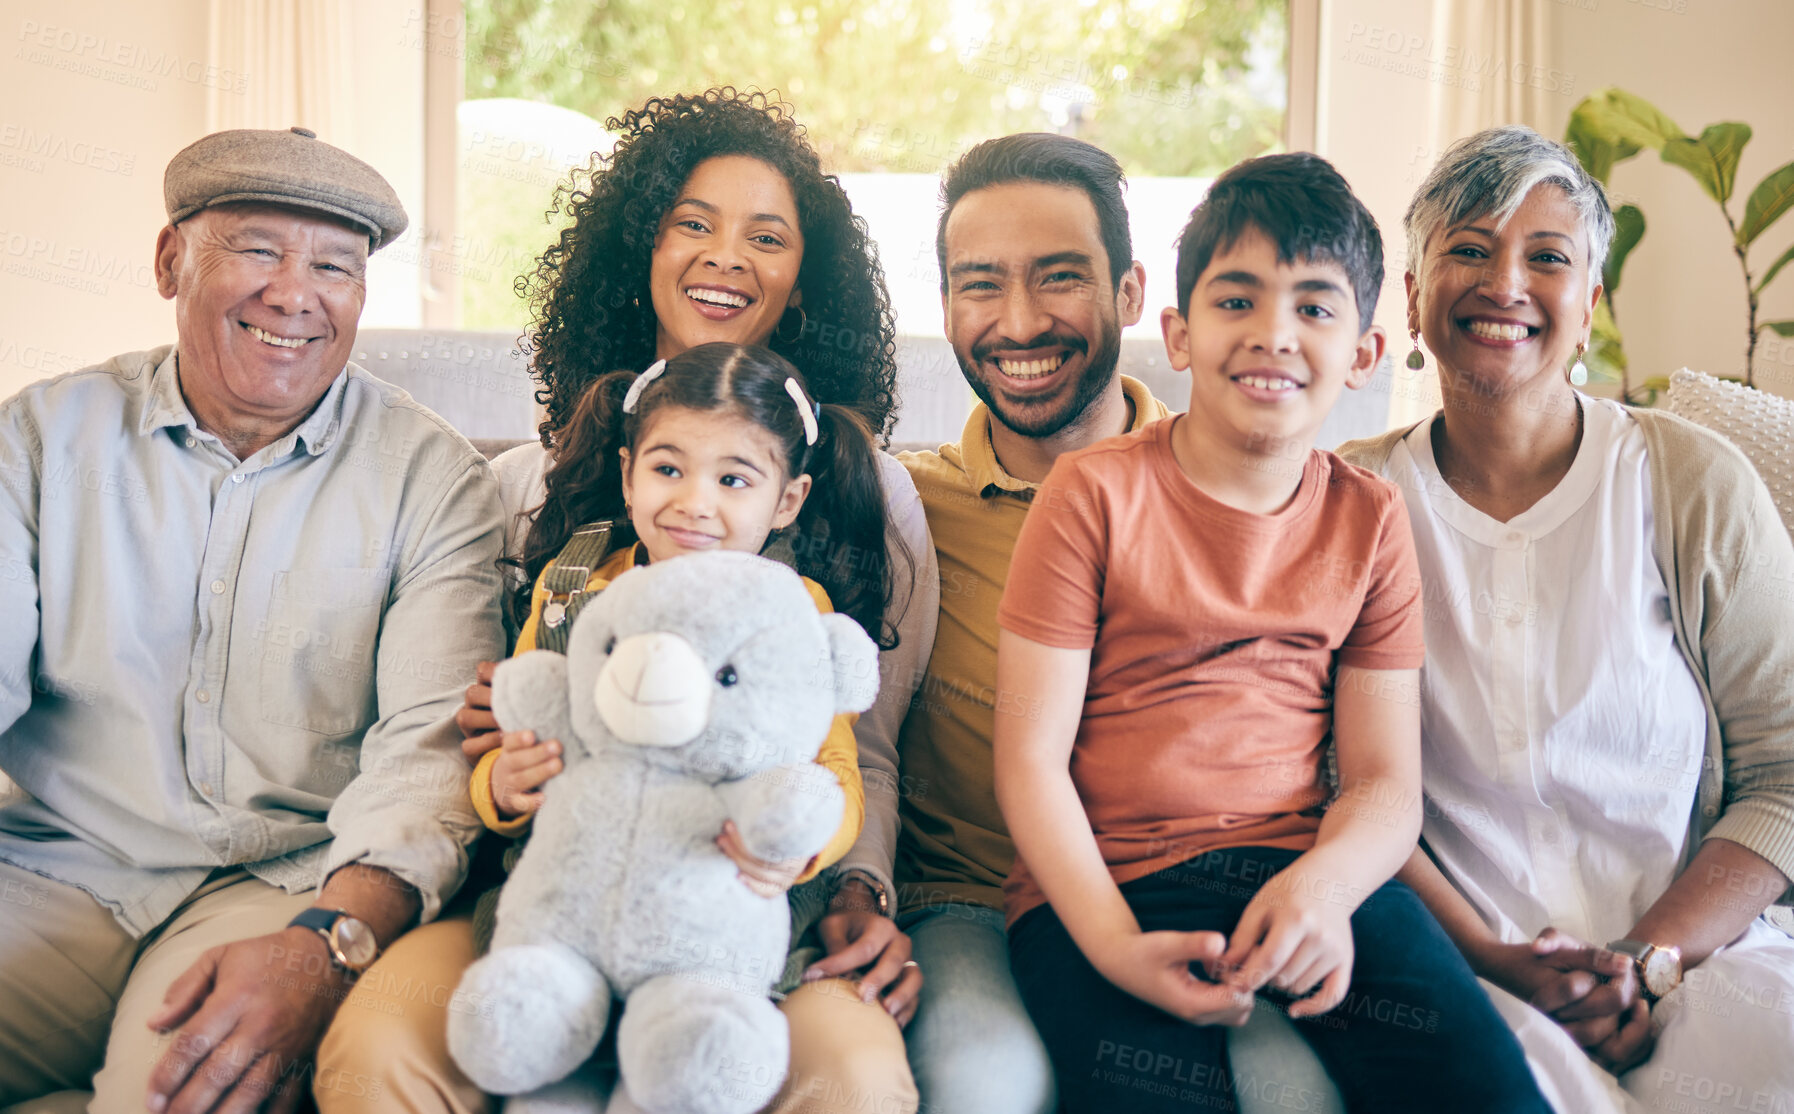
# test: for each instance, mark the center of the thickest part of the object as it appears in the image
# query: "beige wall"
(97, 96)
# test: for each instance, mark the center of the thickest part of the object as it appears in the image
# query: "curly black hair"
(588, 296)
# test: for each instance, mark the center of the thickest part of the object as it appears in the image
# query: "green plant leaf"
(1774, 269)
(1606, 358)
(1726, 141)
(1693, 156)
(1772, 197)
(1595, 147)
(1628, 118)
(1628, 229)
(1783, 328)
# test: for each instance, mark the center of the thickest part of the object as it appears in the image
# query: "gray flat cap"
(283, 168)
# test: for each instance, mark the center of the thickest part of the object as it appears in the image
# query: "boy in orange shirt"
(1194, 612)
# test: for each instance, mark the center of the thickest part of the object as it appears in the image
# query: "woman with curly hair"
(710, 220)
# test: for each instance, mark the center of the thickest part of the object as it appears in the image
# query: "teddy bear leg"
(686, 1047)
(527, 1016)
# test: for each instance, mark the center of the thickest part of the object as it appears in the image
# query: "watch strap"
(323, 921)
(879, 892)
(317, 918)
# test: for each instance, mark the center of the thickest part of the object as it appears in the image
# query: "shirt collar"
(979, 457)
(167, 407)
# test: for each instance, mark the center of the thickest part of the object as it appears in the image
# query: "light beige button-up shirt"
(208, 662)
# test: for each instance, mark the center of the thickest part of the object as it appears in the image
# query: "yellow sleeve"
(840, 755)
(480, 789)
(526, 637)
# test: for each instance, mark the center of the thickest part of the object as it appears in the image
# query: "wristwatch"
(351, 942)
(1659, 968)
(879, 892)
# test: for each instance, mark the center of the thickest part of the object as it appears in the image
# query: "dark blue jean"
(1415, 1031)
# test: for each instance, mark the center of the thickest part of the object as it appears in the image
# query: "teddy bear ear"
(853, 660)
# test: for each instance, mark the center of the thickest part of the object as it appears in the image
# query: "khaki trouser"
(77, 990)
(388, 1048)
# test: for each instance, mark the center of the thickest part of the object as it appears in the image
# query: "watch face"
(356, 941)
(1662, 971)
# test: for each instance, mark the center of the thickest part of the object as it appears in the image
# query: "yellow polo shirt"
(953, 845)
(839, 754)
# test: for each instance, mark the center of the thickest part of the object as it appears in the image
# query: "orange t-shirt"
(1213, 635)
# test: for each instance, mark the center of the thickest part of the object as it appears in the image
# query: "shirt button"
(205, 787)
(203, 696)
(217, 587)
(193, 442)
(1515, 537)
(237, 479)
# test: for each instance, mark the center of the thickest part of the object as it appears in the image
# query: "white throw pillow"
(1759, 423)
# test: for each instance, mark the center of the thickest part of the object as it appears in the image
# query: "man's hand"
(858, 937)
(1295, 941)
(479, 727)
(250, 1016)
(1155, 968)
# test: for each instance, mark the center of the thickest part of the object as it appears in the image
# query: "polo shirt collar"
(978, 456)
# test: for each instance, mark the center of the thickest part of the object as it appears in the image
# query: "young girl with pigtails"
(720, 447)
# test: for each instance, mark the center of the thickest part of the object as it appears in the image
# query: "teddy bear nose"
(654, 691)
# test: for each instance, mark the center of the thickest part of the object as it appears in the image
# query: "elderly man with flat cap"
(242, 584)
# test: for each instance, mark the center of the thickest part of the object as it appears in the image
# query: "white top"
(1563, 731)
(915, 604)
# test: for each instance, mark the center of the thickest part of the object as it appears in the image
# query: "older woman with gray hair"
(1608, 699)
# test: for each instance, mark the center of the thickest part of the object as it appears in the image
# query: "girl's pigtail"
(584, 484)
(843, 539)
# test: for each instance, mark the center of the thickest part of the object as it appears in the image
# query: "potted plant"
(1610, 126)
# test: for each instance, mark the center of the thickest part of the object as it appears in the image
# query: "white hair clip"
(641, 382)
(803, 409)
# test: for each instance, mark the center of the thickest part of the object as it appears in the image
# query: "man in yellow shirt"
(1038, 280)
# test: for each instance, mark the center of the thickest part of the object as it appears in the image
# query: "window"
(890, 91)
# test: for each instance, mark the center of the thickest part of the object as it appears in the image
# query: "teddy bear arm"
(786, 812)
(530, 693)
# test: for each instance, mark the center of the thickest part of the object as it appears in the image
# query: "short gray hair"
(1490, 173)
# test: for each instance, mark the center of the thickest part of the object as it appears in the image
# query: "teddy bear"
(693, 691)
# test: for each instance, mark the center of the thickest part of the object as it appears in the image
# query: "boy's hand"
(521, 770)
(1294, 941)
(1155, 968)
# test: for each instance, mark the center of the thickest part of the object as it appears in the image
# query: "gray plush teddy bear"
(693, 691)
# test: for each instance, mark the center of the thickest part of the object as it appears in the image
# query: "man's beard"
(1050, 415)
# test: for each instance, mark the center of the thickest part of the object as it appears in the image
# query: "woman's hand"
(1155, 968)
(1590, 991)
(479, 727)
(1294, 941)
(764, 878)
(521, 770)
(858, 937)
